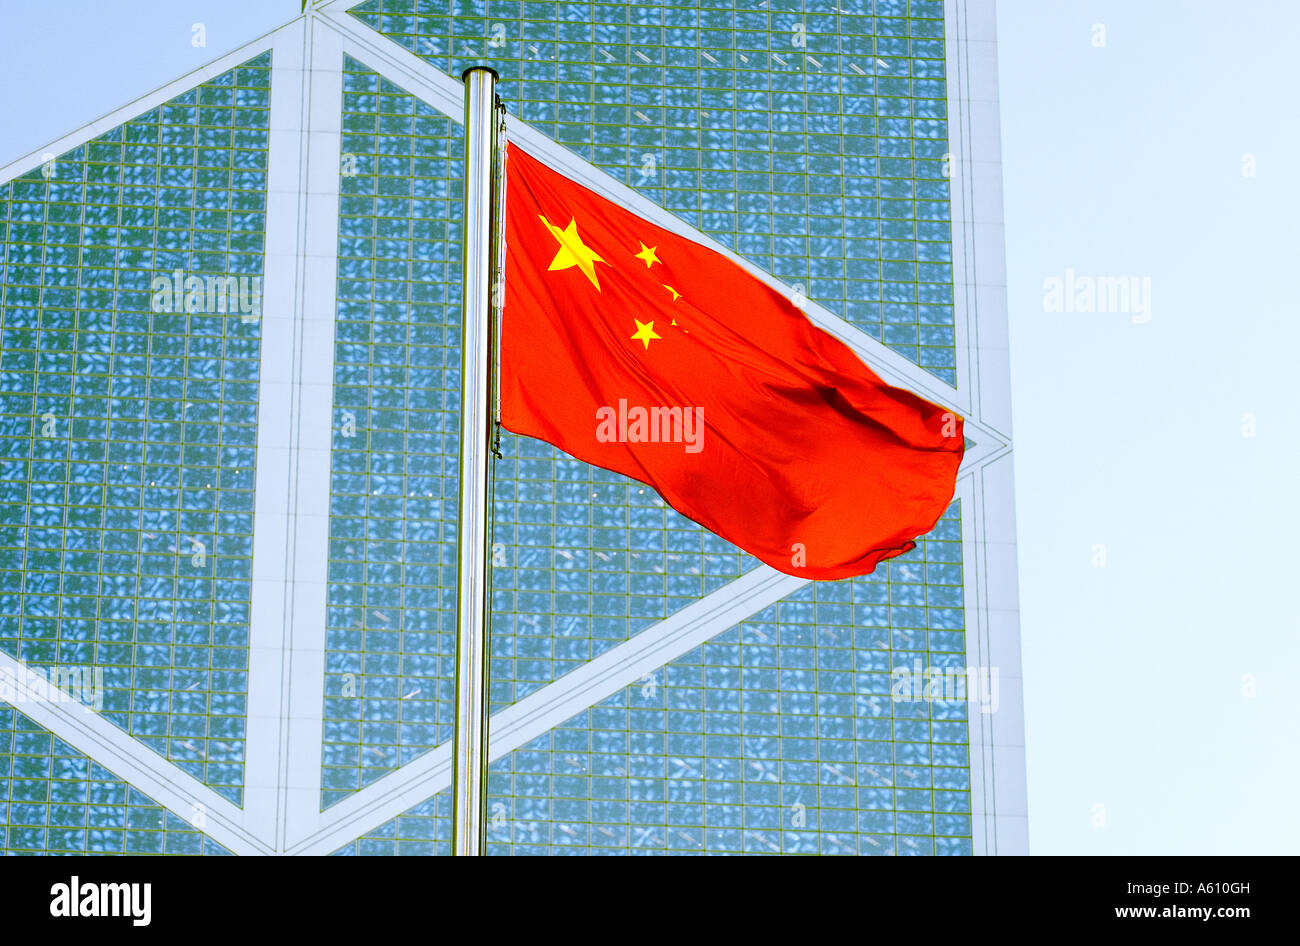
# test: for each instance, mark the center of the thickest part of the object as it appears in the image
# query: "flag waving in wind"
(638, 350)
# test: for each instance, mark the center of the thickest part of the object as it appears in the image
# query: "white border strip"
(997, 750)
(273, 514)
(978, 242)
(304, 699)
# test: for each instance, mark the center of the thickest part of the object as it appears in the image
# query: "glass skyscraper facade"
(229, 424)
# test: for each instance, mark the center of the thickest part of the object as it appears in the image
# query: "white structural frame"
(282, 771)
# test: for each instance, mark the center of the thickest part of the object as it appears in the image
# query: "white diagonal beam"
(339, 5)
(521, 722)
(128, 758)
(139, 106)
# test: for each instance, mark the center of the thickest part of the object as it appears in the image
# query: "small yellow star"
(648, 254)
(572, 251)
(676, 295)
(645, 331)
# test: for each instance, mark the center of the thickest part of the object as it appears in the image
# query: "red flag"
(635, 349)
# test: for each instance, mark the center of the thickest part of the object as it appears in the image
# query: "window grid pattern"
(810, 139)
(128, 417)
(782, 735)
(584, 559)
(390, 650)
(54, 800)
(785, 734)
(421, 831)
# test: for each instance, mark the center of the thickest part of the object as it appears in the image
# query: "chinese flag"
(640, 351)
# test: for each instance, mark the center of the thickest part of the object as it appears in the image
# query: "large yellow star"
(645, 331)
(572, 251)
(648, 254)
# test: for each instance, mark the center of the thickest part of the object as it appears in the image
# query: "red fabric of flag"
(638, 350)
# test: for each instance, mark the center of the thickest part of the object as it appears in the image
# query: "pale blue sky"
(1119, 160)
(1127, 160)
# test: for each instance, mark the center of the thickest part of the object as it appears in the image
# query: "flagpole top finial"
(465, 73)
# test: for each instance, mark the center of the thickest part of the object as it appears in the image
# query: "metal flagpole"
(477, 405)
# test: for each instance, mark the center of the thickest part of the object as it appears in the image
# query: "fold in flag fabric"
(638, 350)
